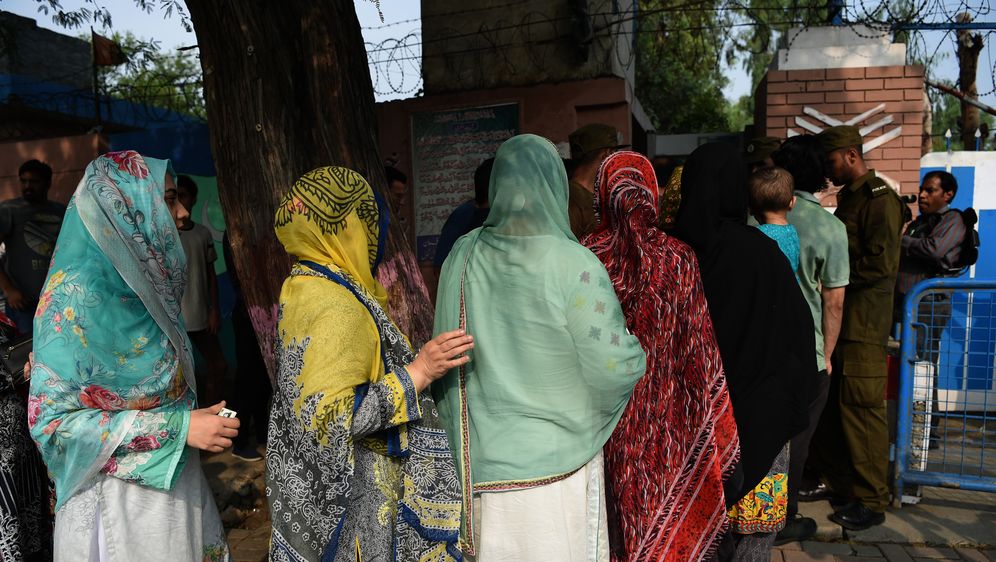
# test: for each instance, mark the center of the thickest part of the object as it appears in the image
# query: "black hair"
(948, 182)
(37, 167)
(482, 180)
(803, 156)
(187, 183)
(393, 174)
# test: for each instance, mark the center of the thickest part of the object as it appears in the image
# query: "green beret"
(841, 136)
(759, 148)
(592, 137)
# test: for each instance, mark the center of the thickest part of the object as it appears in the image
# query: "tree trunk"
(288, 90)
(969, 47)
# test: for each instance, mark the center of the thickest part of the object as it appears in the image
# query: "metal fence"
(946, 429)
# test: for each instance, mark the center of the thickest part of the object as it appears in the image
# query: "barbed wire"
(396, 64)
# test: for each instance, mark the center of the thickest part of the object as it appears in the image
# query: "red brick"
(779, 133)
(854, 109)
(884, 95)
(884, 72)
(913, 130)
(915, 71)
(912, 163)
(914, 95)
(889, 166)
(786, 87)
(825, 86)
(806, 75)
(893, 151)
(872, 84)
(897, 83)
(776, 76)
(911, 118)
(831, 109)
(845, 73)
(776, 99)
(895, 108)
(784, 110)
(851, 96)
(774, 122)
(808, 98)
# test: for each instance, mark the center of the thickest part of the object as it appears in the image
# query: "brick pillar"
(789, 98)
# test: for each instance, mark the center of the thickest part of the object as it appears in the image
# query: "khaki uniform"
(581, 210)
(852, 442)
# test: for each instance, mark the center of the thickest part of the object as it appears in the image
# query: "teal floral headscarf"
(112, 385)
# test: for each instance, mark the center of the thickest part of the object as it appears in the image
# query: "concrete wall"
(549, 110)
(474, 44)
(68, 157)
(788, 98)
(45, 54)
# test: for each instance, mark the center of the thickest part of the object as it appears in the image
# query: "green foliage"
(682, 47)
(154, 77)
(741, 113)
(762, 27)
(678, 75)
(947, 115)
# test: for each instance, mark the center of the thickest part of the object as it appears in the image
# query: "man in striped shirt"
(931, 248)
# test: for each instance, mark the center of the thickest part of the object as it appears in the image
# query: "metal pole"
(960, 95)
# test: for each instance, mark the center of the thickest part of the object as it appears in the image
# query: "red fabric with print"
(677, 439)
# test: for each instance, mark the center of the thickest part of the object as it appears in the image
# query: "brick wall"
(843, 93)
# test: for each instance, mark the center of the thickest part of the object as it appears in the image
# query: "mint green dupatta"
(112, 384)
(554, 365)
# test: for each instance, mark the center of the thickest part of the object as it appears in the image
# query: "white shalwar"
(560, 522)
(116, 521)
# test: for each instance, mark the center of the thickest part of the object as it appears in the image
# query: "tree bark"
(288, 89)
(969, 47)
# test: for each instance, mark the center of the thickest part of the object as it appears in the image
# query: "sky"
(401, 18)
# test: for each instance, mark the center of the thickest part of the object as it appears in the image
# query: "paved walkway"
(812, 551)
(946, 525)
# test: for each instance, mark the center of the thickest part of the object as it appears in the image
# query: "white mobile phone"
(226, 413)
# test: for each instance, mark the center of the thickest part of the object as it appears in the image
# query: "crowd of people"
(612, 377)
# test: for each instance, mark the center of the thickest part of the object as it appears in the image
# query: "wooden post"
(969, 47)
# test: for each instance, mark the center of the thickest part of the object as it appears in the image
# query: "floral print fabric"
(108, 389)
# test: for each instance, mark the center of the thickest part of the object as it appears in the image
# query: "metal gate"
(946, 429)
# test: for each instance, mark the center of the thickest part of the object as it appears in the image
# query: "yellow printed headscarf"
(332, 216)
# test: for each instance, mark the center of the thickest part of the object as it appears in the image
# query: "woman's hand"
(210, 432)
(444, 352)
(27, 366)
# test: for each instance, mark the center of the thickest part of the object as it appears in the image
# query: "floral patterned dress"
(25, 520)
(111, 387)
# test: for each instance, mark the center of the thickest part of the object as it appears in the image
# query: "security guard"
(758, 151)
(852, 445)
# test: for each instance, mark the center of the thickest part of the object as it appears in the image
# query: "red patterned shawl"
(677, 439)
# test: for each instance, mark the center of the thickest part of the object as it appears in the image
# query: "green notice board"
(447, 147)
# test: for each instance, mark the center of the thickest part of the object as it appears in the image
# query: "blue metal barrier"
(946, 430)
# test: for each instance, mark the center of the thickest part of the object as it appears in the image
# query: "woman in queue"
(551, 374)
(765, 336)
(358, 467)
(677, 440)
(112, 403)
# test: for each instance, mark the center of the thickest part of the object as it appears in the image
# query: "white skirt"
(564, 521)
(116, 521)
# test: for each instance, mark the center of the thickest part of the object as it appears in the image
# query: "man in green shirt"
(589, 146)
(852, 441)
(823, 273)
